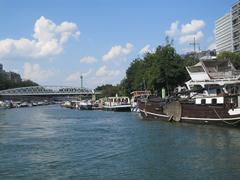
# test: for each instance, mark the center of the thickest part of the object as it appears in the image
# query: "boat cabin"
(213, 80)
(210, 100)
(115, 101)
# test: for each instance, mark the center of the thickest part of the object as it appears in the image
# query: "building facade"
(228, 30)
(14, 77)
(236, 26)
(224, 40)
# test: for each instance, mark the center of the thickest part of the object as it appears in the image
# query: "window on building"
(235, 21)
(236, 47)
(235, 34)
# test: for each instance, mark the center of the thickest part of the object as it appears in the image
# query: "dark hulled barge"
(212, 96)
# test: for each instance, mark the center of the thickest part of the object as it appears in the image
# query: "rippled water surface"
(55, 143)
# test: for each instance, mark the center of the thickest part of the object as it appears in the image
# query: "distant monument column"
(81, 77)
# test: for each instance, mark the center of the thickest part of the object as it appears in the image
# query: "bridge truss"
(47, 91)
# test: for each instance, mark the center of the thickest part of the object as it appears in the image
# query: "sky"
(53, 42)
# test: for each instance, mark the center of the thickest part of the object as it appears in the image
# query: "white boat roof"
(213, 70)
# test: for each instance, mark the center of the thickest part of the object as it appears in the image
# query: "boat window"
(219, 91)
(214, 101)
(196, 88)
(194, 69)
(203, 101)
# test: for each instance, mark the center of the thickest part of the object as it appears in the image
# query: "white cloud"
(187, 32)
(36, 73)
(104, 72)
(15, 70)
(104, 75)
(192, 27)
(189, 38)
(145, 49)
(48, 40)
(88, 59)
(173, 30)
(76, 76)
(93, 78)
(117, 52)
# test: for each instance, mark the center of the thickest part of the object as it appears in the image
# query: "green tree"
(162, 69)
(6, 83)
(234, 57)
(108, 90)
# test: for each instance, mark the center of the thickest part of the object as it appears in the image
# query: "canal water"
(51, 142)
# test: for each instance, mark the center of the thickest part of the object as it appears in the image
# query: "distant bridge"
(48, 91)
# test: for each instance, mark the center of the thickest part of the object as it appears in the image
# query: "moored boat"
(120, 104)
(135, 96)
(85, 105)
(212, 96)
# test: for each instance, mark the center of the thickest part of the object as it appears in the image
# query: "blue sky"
(53, 42)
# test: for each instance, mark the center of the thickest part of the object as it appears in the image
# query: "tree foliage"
(234, 57)
(162, 69)
(6, 83)
(108, 90)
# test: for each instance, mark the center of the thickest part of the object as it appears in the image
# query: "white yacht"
(117, 104)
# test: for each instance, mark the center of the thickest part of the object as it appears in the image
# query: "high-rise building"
(236, 26)
(228, 30)
(224, 38)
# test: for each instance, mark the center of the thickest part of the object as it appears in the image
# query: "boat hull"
(86, 107)
(189, 112)
(118, 108)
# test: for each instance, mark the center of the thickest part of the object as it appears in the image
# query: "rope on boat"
(224, 120)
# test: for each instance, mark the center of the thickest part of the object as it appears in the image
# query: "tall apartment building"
(228, 31)
(224, 38)
(236, 26)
